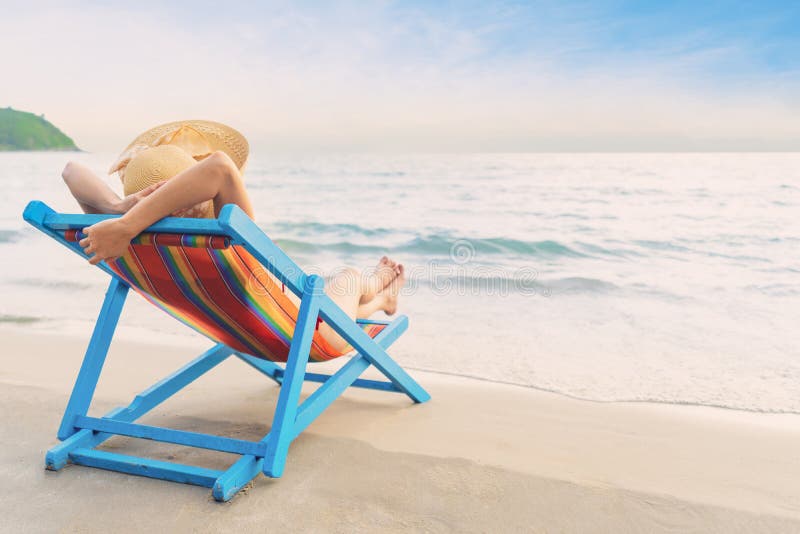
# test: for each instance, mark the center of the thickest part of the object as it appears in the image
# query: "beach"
(571, 229)
(616, 353)
(479, 457)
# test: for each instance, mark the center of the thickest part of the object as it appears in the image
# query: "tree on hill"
(20, 130)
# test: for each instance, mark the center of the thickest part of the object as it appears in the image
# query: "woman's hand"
(131, 200)
(106, 240)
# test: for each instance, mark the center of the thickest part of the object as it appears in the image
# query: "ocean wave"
(482, 285)
(19, 319)
(350, 238)
(775, 290)
(579, 284)
(528, 282)
(316, 228)
(9, 236)
(383, 174)
(604, 251)
(439, 246)
(670, 246)
(615, 399)
(521, 283)
(62, 285)
(661, 245)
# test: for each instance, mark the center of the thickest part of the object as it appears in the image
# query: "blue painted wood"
(168, 435)
(358, 383)
(35, 214)
(281, 432)
(236, 477)
(48, 221)
(267, 455)
(175, 382)
(85, 384)
(240, 227)
(275, 372)
(346, 376)
(245, 232)
(328, 392)
(372, 321)
(168, 225)
(145, 401)
(146, 467)
(367, 347)
(392, 332)
(58, 456)
(271, 369)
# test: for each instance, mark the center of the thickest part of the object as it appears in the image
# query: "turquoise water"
(612, 277)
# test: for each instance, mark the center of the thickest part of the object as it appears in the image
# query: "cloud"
(392, 77)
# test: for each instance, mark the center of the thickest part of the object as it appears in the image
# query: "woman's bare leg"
(92, 194)
(367, 283)
(215, 178)
(349, 301)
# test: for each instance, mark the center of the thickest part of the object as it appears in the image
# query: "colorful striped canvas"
(219, 290)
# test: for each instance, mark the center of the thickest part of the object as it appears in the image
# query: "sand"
(480, 457)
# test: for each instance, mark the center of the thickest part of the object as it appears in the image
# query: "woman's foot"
(380, 277)
(386, 271)
(390, 293)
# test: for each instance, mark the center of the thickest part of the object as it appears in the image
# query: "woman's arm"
(215, 178)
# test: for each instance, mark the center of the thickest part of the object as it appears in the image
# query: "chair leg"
(281, 433)
(145, 401)
(372, 351)
(85, 384)
(236, 477)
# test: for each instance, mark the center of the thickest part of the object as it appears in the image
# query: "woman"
(193, 168)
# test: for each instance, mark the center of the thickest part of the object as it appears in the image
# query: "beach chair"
(211, 275)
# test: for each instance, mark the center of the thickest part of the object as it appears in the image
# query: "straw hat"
(154, 165)
(199, 138)
(158, 164)
(164, 151)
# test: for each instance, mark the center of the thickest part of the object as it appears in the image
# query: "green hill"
(20, 130)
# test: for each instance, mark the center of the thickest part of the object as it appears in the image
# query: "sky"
(414, 76)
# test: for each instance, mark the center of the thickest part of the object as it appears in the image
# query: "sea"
(659, 278)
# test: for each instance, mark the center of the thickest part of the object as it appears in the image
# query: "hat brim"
(219, 136)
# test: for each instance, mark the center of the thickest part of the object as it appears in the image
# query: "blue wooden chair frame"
(80, 434)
